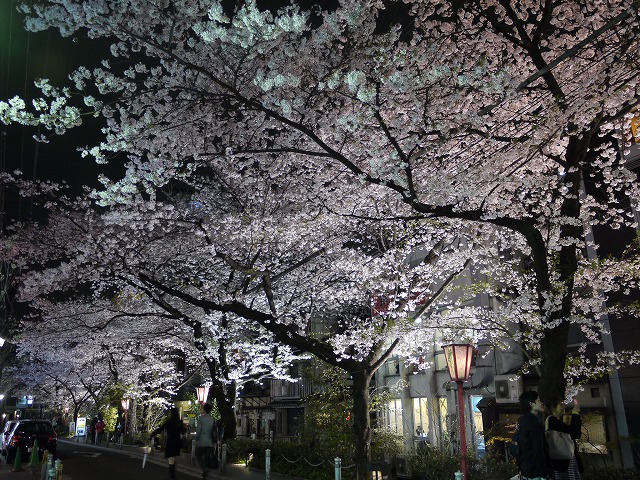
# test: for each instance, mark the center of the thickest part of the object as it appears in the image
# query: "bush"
(436, 464)
(610, 473)
(292, 459)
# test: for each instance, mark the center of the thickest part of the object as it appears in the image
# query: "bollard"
(34, 459)
(52, 473)
(50, 467)
(193, 450)
(121, 440)
(43, 469)
(458, 475)
(267, 464)
(223, 459)
(338, 475)
(17, 463)
(58, 469)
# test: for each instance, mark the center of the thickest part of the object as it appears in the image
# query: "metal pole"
(223, 459)
(463, 432)
(267, 464)
(338, 474)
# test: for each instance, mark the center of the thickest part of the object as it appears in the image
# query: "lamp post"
(125, 407)
(203, 393)
(458, 357)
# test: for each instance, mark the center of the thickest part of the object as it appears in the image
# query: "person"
(58, 425)
(92, 430)
(565, 469)
(174, 428)
(99, 430)
(206, 434)
(533, 459)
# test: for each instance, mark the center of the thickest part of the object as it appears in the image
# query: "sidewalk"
(184, 465)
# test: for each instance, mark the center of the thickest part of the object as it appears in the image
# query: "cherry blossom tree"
(484, 112)
(233, 264)
(95, 259)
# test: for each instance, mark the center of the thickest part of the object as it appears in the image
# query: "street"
(81, 461)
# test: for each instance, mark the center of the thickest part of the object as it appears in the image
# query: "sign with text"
(81, 427)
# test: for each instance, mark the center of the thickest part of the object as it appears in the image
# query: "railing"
(284, 389)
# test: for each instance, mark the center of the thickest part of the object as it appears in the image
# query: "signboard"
(81, 427)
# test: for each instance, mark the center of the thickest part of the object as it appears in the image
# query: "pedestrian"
(533, 460)
(92, 429)
(99, 430)
(206, 438)
(565, 468)
(58, 426)
(174, 428)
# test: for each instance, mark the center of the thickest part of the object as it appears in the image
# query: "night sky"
(24, 57)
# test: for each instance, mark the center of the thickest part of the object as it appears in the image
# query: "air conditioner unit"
(508, 388)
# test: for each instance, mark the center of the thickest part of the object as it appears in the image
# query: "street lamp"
(203, 393)
(125, 406)
(458, 357)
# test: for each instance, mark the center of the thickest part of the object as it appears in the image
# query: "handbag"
(561, 445)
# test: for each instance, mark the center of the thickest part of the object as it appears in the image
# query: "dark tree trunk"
(553, 347)
(225, 400)
(361, 420)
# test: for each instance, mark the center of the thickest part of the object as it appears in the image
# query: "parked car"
(23, 435)
(6, 431)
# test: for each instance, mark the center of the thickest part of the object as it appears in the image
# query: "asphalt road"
(80, 462)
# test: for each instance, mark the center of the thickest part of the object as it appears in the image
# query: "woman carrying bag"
(561, 440)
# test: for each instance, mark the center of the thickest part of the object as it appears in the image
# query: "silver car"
(5, 435)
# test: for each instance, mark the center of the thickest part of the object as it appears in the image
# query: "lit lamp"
(203, 394)
(125, 406)
(458, 357)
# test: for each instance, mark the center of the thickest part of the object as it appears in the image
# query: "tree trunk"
(225, 397)
(132, 418)
(407, 407)
(361, 420)
(225, 402)
(553, 347)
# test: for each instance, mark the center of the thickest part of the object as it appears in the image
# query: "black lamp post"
(458, 357)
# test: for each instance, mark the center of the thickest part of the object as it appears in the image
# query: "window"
(594, 434)
(394, 416)
(420, 417)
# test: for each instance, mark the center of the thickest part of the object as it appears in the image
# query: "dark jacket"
(533, 457)
(575, 430)
(174, 429)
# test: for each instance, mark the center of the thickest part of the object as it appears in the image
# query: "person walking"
(92, 430)
(99, 427)
(565, 469)
(174, 428)
(206, 438)
(533, 460)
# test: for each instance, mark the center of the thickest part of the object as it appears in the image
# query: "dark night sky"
(24, 57)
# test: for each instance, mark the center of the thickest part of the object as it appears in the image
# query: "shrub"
(610, 473)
